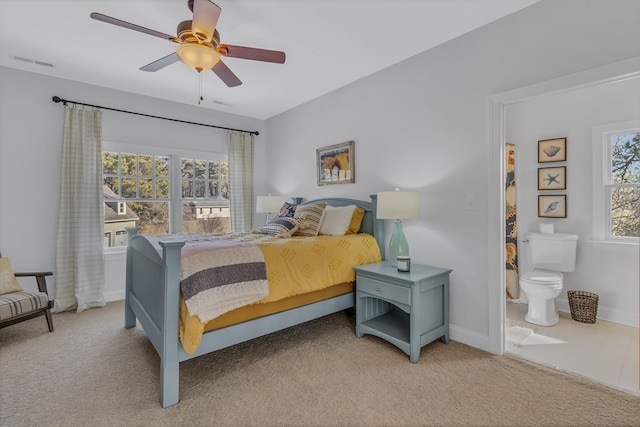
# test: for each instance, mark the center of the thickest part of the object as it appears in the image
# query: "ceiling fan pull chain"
(200, 99)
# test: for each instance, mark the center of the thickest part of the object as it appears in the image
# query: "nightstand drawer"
(393, 293)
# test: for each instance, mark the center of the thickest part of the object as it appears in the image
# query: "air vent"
(215, 101)
(32, 61)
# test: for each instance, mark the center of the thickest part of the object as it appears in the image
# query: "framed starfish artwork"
(552, 206)
(552, 178)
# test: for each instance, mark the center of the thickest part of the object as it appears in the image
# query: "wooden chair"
(20, 306)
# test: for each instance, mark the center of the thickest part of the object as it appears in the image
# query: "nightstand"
(408, 309)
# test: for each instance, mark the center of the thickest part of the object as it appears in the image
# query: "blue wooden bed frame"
(153, 298)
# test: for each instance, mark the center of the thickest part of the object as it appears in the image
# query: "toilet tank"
(554, 252)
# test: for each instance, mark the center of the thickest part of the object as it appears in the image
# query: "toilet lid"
(541, 277)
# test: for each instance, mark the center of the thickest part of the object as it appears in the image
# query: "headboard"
(370, 224)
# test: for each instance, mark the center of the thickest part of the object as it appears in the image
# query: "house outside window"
(159, 192)
(616, 195)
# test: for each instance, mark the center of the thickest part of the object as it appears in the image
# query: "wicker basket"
(583, 305)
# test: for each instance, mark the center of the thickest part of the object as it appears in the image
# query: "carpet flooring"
(93, 372)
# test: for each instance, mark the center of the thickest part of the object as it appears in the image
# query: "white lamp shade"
(268, 204)
(398, 205)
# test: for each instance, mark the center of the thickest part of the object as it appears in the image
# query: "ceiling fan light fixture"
(197, 56)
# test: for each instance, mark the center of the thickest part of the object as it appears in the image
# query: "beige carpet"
(93, 372)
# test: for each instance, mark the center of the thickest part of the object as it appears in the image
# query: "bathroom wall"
(607, 269)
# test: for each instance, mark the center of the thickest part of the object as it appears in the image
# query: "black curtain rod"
(57, 99)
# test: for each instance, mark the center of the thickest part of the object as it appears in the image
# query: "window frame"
(175, 189)
(602, 185)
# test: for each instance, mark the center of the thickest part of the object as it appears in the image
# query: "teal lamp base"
(398, 244)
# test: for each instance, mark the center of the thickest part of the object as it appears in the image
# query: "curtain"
(511, 224)
(79, 252)
(240, 150)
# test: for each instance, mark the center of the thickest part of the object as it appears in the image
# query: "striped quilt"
(219, 274)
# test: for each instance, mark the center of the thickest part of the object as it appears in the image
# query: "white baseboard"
(468, 337)
(605, 313)
(114, 296)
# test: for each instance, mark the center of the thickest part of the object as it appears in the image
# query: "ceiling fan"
(199, 43)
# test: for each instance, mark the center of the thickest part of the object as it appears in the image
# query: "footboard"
(153, 297)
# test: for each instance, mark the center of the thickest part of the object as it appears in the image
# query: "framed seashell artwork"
(552, 150)
(552, 206)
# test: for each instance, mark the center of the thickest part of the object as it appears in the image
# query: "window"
(617, 182)
(148, 190)
(205, 195)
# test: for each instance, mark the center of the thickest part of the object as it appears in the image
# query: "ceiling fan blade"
(205, 18)
(252, 53)
(119, 22)
(161, 63)
(226, 75)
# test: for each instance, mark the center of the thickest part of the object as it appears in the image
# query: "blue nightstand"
(409, 310)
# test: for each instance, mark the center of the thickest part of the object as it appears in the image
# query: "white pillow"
(336, 220)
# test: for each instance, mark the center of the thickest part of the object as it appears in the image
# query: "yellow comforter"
(296, 266)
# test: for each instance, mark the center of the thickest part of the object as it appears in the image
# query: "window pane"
(213, 189)
(200, 189)
(225, 190)
(202, 218)
(112, 184)
(146, 188)
(129, 188)
(145, 165)
(162, 166)
(187, 189)
(200, 169)
(153, 217)
(213, 170)
(225, 171)
(110, 163)
(625, 159)
(129, 164)
(162, 189)
(625, 218)
(187, 168)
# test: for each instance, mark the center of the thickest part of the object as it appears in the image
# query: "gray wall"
(31, 147)
(423, 125)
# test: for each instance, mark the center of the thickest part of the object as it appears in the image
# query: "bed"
(153, 298)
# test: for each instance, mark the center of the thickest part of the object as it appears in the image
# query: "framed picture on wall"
(552, 178)
(552, 206)
(552, 150)
(335, 164)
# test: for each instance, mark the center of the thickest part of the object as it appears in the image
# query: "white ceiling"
(328, 43)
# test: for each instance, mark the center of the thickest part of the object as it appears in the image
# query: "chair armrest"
(44, 273)
(40, 279)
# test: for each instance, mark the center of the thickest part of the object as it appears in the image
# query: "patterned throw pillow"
(287, 209)
(281, 226)
(8, 282)
(312, 218)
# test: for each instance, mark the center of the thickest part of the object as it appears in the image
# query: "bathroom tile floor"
(604, 351)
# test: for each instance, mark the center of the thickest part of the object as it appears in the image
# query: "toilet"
(549, 255)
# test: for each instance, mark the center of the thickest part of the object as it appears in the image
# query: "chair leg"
(47, 314)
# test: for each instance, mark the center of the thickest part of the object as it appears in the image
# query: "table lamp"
(398, 205)
(268, 204)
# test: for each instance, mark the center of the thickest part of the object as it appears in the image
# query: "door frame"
(496, 111)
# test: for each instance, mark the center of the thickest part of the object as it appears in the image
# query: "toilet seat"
(542, 278)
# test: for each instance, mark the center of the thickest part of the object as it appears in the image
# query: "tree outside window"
(623, 187)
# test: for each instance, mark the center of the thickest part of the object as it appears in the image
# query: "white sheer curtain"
(241, 180)
(79, 253)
